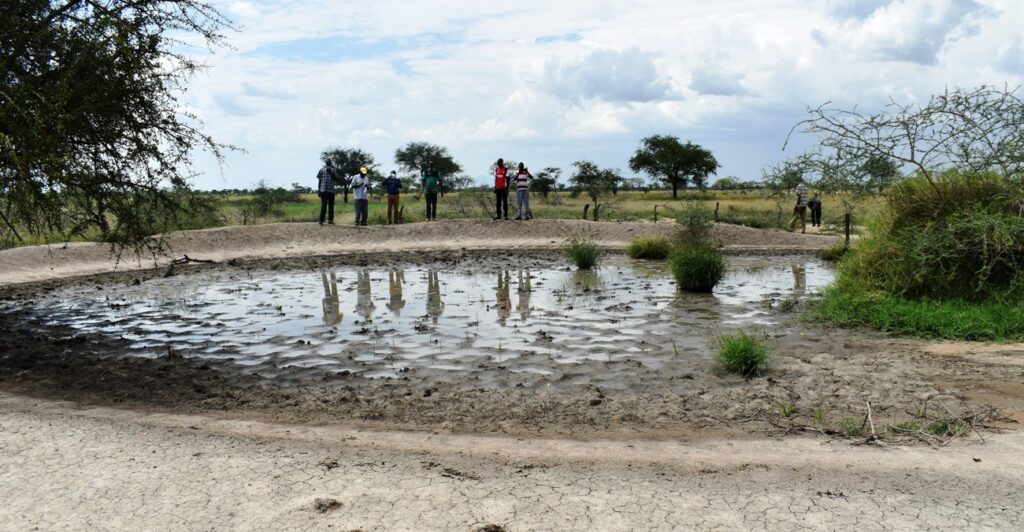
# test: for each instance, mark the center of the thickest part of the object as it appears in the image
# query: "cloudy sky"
(552, 82)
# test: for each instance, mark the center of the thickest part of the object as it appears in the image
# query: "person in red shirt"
(501, 182)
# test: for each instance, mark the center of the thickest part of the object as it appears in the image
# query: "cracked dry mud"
(90, 439)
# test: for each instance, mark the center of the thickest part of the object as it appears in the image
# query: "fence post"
(586, 209)
(596, 209)
(655, 214)
(401, 213)
(716, 211)
(846, 222)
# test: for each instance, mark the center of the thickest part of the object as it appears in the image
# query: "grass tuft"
(742, 353)
(652, 247)
(833, 253)
(583, 254)
(697, 267)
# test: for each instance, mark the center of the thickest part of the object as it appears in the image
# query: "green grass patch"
(653, 247)
(744, 354)
(697, 267)
(992, 321)
(833, 253)
(583, 254)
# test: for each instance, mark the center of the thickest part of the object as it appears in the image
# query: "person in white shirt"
(361, 193)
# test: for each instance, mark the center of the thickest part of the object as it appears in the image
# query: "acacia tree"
(92, 136)
(415, 157)
(664, 157)
(347, 162)
(546, 180)
(594, 181)
(972, 131)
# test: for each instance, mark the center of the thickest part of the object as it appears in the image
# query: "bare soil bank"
(38, 263)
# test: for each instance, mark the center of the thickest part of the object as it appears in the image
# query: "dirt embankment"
(38, 263)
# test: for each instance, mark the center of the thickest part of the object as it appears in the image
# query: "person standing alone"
(523, 193)
(431, 184)
(800, 209)
(393, 187)
(325, 189)
(501, 190)
(361, 193)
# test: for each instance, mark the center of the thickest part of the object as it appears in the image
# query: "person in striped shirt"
(523, 193)
(325, 189)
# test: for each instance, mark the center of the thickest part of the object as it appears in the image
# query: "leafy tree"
(92, 135)
(458, 182)
(593, 181)
(727, 183)
(664, 157)
(417, 156)
(880, 171)
(347, 162)
(546, 180)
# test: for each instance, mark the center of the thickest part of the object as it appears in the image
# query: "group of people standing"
(801, 208)
(327, 179)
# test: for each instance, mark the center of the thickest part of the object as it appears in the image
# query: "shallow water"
(543, 320)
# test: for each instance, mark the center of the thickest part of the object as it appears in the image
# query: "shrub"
(697, 267)
(584, 254)
(834, 252)
(963, 241)
(654, 247)
(742, 353)
(696, 220)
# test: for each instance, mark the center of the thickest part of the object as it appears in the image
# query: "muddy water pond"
(500, 324)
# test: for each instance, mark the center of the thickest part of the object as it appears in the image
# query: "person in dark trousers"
(501, 182)
(815, 206)
(800, 209)
(393, 187)
(325, 189)
(431, 184)
(523, 193)
(361, 193)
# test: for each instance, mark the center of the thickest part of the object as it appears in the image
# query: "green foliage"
(582, 253)
(593, 181)
(743, 354)
(416, 157)
(750, 217)
(908, 426)
(697, 267)
(697, 220)
(93, 139)
(849, 305)
(347, 162)
(652, 247)
(546, 180)
(786, 408)
(833, 253)
(850, 427)
(965, 242)
(665, 158)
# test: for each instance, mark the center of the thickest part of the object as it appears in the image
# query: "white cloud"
(550, 83)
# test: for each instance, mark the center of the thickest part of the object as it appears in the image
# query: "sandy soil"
(90, 439)
(37, 263)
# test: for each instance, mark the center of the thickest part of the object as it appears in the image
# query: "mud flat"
(241, 393)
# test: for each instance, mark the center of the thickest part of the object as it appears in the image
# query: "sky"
(552, 82)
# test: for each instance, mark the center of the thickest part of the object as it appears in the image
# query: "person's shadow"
(332, 310)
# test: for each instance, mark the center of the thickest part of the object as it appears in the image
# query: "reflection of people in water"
(364, 300)
(332, 314)
(525, 291)
(799, 279)
(434, 304)
(395, 281)
(504, 279)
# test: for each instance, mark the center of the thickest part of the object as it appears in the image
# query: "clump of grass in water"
(742, 353)
(697, 267)
(834, 252)
(649, 248)
(583, 254)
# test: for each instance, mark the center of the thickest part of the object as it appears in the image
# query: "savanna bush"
(742, 353)
(653, 247)
(697, 267)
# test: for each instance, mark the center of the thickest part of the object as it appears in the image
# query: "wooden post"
(716, 211)
(586, 209)
(596, 209)
(846, 222)
(655, 214)
(401, 212)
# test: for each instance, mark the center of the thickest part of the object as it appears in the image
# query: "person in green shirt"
(431, 185)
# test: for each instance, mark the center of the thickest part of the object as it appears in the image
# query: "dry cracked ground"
(89, 464)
